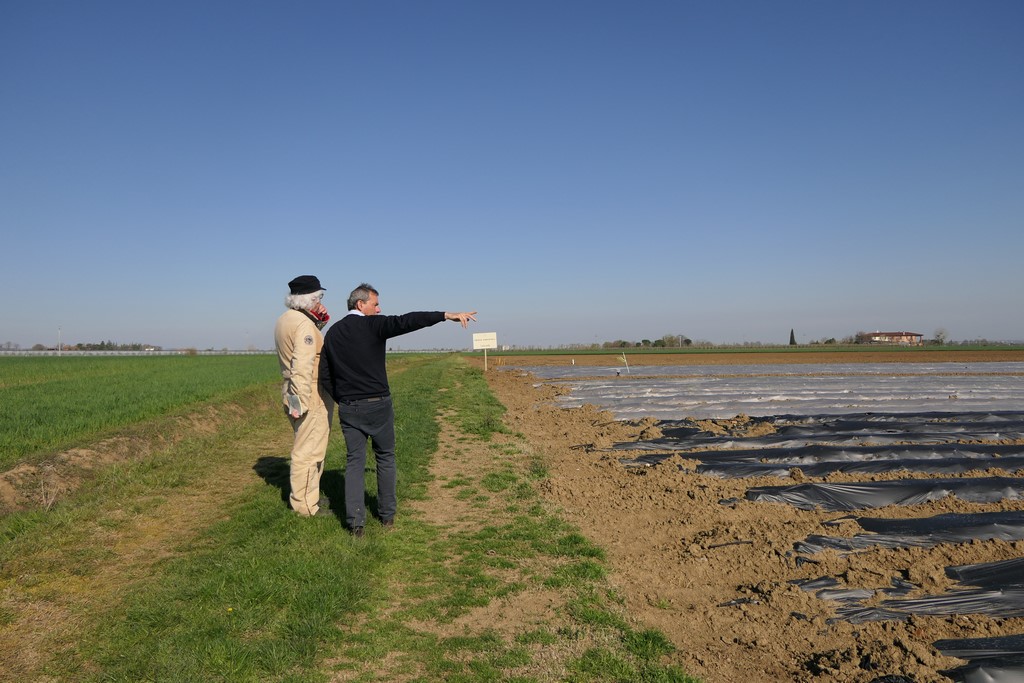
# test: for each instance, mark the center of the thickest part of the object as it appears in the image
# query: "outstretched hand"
(462, 318)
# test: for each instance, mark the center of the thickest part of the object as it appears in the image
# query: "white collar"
(356, 312)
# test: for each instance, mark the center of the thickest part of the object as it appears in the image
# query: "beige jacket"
(299, 343)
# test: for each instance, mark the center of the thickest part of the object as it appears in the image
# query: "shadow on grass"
(273, 469)
(332, 483)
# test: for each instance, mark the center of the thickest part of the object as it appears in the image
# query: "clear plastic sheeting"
(875, 494)
(719, 391)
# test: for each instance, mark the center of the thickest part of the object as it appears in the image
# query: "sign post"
(485, 340)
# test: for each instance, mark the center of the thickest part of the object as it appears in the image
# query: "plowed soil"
(716, 577)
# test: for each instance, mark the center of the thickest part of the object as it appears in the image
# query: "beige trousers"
(308, 452)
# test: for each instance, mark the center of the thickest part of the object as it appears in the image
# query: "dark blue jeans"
(373, 420)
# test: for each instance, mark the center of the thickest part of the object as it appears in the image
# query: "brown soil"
(680, 557)
(39, 485)
(677, 554)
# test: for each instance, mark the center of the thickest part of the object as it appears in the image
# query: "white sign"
(485, 340)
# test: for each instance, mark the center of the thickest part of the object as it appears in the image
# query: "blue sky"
(576, 171)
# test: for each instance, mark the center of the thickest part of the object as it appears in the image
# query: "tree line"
(940, 337)
(99, 346)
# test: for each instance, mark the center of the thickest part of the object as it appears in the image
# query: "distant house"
(901, 338)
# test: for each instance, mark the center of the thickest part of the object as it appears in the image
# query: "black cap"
(305, 284)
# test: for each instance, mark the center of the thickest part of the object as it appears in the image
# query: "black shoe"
(388, 524)
(358, 532)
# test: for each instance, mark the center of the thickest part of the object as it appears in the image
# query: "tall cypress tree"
(792, 338)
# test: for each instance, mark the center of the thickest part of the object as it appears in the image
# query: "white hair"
(303, 302)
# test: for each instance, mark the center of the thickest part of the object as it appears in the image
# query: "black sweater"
(352, 364)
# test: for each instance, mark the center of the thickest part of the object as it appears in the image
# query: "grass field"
(182, 562)
(53, 403)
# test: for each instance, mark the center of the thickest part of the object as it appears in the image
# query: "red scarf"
(319, 319)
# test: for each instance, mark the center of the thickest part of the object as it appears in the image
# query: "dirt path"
(451, 511)
(716, 578)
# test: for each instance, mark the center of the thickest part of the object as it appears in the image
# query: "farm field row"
(174, 556)
(53, 403)
(759, 537)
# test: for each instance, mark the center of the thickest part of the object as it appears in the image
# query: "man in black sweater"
(354, 373)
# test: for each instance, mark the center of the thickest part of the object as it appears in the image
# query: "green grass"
(261, 602)
(53, 403)
(451, 575)
(247, 591)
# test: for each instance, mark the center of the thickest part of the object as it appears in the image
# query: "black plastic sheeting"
(953, 464)
(875, 494)
(1000, 574)
(865, 429)
(945, 444)
(822, 460)
(921, 532)
(995, 589)
(929, 443)
(990, 660)
(829, 588)
(999, 604)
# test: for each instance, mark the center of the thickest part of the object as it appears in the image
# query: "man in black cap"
(299, 342)
(354, 374)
